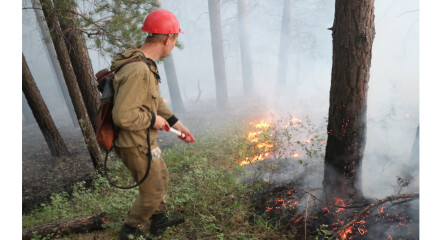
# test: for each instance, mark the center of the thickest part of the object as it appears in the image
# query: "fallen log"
(76, 225)
(358, 216)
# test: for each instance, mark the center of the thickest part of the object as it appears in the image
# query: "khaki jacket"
(137, 94)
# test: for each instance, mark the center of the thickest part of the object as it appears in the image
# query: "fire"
(264, 147)
(295, 155)
(340, 202)
(165, 100)
(345, 233)
(295, 120)
(262, 124)
(389, 236)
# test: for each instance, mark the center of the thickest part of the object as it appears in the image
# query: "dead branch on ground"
(358, 216)
(76, 225)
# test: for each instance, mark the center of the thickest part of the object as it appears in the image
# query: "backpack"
(106, 131)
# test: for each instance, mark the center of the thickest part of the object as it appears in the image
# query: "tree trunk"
(76, 225)
(246, 62)
(217, 54)
(79, 57)
(414, 158)
(173, 85)
(72, 84)
(353, 34)
(27, 112)
(50, 132)
(284, 44)
(56, 68)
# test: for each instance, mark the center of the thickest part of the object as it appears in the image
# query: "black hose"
(146, 173)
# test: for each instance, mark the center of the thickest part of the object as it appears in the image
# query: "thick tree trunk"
(217, 54)
(353, 34)
(79, 57)
(72, 84)
(170, 71)
(246, 62)
(41, 113)
(27, 112)
(173, 85)
(76, 225)
(56, 68)
(284, 44)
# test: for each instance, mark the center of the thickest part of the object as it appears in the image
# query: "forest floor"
(43, 174)
(218, 198)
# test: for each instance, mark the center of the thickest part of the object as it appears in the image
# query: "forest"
(305, 115)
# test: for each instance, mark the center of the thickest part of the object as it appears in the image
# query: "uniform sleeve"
(165, 112)
(129, 97)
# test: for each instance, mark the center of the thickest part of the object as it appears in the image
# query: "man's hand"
(160, 123)
(179, 126)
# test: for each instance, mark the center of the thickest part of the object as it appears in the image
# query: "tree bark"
(414, 158)
(56, 68)
(173, 85)
(72, 84)
(26, 111)
(284, 44)
(353, 34)
(217, 54)
(41, 113)
(246, 62)
(79, 57)
(76, 225)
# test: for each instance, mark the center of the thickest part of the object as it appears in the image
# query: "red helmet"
(161, 21)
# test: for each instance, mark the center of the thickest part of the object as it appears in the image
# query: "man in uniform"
(139, 110)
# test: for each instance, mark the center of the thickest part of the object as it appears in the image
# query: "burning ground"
(286, 155)
(278, 195)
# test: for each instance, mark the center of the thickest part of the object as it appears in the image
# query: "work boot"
(131, 233)
(160, 222)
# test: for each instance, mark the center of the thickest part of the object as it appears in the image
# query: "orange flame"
(345, 233)
(340, 202)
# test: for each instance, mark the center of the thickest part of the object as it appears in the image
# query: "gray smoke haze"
(393, 97)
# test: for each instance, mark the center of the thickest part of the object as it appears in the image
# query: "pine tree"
(41, 113)
(217, 54)
(353, 34)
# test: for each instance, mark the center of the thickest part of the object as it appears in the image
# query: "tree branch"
(409, 196)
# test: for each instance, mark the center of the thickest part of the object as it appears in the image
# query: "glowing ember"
(340, 202)
(389, 236)
(345, 233)
(295, 155)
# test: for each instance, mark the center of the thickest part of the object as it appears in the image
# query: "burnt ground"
(43, 174)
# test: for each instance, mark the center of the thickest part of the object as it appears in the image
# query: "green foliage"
(322, 232)
(115, 25)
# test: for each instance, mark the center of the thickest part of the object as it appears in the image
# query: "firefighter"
(139, 106)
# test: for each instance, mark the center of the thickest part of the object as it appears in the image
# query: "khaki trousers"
(152, 192)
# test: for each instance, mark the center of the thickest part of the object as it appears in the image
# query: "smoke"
(393, 97)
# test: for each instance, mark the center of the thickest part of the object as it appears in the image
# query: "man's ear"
(167, 40)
